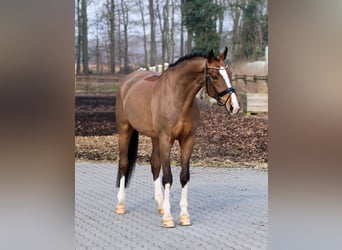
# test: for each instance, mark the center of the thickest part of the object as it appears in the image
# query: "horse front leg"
(165, 148)
(186, 145)
(155, 167)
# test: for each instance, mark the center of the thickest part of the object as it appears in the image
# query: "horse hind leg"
(128, 145)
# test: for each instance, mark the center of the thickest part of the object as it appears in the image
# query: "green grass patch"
(96, 87)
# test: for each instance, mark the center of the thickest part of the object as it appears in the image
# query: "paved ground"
(228, 209)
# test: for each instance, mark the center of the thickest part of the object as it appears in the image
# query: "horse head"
(218, 82)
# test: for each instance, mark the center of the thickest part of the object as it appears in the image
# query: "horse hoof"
(184, 220)
(160, 210)
(120, 209)
(168, 222)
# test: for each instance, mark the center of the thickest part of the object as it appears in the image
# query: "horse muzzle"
(232, 109)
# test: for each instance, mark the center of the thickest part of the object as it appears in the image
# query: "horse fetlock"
(160, 210)
(159, 201)
(158, 196)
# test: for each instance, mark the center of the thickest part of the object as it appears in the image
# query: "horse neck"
(186, 81)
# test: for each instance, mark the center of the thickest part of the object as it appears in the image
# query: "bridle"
(218, 95)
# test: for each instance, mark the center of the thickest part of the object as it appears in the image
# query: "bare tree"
(144, 31)
(165, 32)
(85, 37)
(119, 37)
(172, 34)
(111, 31)
(124, 11)
(220, 19)
(182, 28)
(153, 50)
(97, 46)
(166, 29)
(79, 37)
(236, 11)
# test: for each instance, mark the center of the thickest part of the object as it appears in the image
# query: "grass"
(97, 84)
(95, 87)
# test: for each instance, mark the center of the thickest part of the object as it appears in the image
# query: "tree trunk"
(119, 38)
(152, 35)
(144, 32)
(85, 38)
(97, 49)
(79, 39)
(125, 23)
(220, 20)
(165, 44)
(182, 29)
(172, 32)
(112, 36)
(236, 14)
(189, 42)
(162, 33)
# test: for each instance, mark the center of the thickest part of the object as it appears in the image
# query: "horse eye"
(214, 77)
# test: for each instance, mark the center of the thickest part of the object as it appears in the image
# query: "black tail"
(132, 158)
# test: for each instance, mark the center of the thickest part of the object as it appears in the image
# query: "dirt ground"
(221, 139)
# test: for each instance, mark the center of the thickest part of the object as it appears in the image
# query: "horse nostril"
(231, 109)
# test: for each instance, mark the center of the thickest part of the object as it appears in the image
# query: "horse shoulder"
(187, 124)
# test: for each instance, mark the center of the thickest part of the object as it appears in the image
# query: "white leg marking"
(184, 201)
(158, 194)
(166, 203)
(121, 193)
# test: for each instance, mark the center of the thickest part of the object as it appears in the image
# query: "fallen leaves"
(221, 139)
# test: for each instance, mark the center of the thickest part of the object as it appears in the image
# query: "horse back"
(135, 79)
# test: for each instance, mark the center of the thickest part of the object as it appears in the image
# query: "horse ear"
(224, 54)
(211, 55)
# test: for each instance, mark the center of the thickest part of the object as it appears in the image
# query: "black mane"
(188, 56)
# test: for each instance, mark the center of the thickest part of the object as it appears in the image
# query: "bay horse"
(164, 108)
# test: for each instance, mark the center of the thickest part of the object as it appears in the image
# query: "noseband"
(218, 95)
